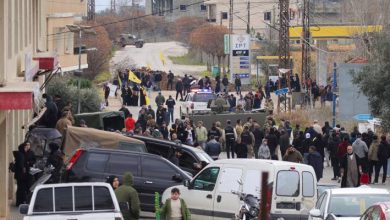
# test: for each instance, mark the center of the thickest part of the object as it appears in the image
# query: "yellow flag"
(147, 100)
(120, 82)
(133, 77)
(162, 58)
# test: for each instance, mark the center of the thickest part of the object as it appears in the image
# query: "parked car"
(322, 187)
(291, 192)
(189, 159)
(347, 202)
(151, 173)
(379, 211)
(66, 201)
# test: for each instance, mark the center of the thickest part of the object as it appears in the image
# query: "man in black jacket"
(230, 137)
(179, 89)
(170, 80)
(383, 155)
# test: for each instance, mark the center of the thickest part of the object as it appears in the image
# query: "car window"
(187, 160)
(157, 169)
(206, 179)
(375, 214)
(121, 163)
(307, 184)
(323, 204)
(354, 205)
(63, 199)
(287, 183)
(102, 198)
(83, 198)
(203, 97)
(44, 201)
(134, 147)
(158, 149)
(97, 162)
(229, 180)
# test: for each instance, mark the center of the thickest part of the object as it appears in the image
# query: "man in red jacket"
(130, 123)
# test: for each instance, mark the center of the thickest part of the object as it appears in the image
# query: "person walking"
(237, 84)
(259, 136)
(106, 90)
(201, 134)
(263, 151)
(160, 99)
(126, 194)
(350, 169)
(360, 149)
(213, 148)
(333, 144)
(170, 80)
(241, 149)
(373, 159)
(383, 155)
(179, 89)
(272, 142)
(230, 138)
(170, 103)
(315, 159)
(225, 83)
(175, 208)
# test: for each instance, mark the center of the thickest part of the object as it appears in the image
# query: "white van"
(81, 201)
(292, 188)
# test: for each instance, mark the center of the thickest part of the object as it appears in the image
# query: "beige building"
(26, 28)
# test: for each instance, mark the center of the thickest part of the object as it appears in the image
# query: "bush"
(103, 77)
(66, 88)
(84, 83)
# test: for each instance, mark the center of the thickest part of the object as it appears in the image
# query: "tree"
(185, 25)
(374, 79)
(98, 60)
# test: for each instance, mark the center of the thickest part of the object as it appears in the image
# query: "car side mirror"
(315, 213)
(187, 184)
(23, 209)
(177, 178)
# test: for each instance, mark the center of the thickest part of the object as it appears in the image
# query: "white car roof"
(72, 184)
(358, 190)
(259, 162)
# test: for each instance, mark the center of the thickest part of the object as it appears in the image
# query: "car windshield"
(354, 205)
(203, 156)
(203, 97)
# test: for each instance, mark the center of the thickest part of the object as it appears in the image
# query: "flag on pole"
(162, 58)
(133, 77)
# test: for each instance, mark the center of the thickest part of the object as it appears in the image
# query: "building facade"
(25, 37)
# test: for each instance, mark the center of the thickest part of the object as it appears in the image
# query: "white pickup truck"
(66, 201)
(197, 101)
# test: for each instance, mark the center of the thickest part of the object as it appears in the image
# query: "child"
(264, 152)
(175, 208)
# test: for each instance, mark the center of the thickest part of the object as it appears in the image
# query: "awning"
(18, 95)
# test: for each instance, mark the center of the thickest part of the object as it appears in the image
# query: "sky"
(101, 5)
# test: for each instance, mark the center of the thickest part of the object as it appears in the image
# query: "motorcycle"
(249, 210)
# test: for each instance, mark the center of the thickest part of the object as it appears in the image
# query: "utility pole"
(230, 36)
(284, 45)
(113, 6)
(91, 10)
(248, 24)
(306, 46)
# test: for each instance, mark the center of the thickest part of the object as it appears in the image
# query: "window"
(323, 203)
(307, 184)
(157, 169)
(45, 198)
(97, 162)
(207, 179)
(134, 147)
(183, 7)
(287, 183)
(229, 180)
(159, 149)
(119, 164)
(69, 42)
(83, 198)
(267, 16)
(103, 199)
(63, 199)
(187, 160)
(224, 15)
(319, 201)
(203, 8)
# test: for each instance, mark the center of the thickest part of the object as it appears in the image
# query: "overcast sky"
(103, 4)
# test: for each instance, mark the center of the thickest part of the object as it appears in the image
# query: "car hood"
(348, 218)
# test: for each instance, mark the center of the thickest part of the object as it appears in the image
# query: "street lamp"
(80, 29)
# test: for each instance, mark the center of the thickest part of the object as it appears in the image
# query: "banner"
(134, 78)
(112, 89)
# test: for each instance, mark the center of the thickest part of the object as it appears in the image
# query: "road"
(150, 56)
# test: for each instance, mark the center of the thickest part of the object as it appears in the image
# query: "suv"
(80, 201)
(190, 158)
(129, 39)
(151, 173)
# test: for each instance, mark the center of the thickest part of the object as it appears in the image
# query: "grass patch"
(187, 59)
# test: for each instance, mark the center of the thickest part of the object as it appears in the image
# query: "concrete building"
(26, 27)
